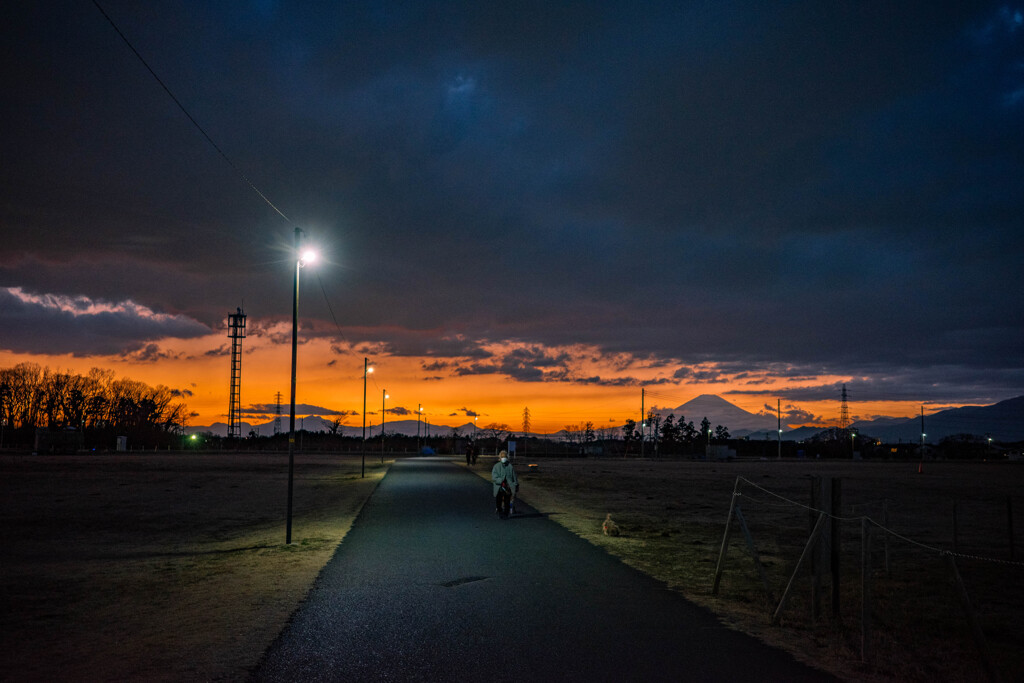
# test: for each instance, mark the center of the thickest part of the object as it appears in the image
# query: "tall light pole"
(383, 418)
(366, 370)
(778, 409)
(419, 411)
(301, 259)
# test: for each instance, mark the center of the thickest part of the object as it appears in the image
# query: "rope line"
(331, 309)
(185, 111)
(924, 546)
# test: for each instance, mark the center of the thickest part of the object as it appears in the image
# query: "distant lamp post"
(383, 419)
(301, 259)
(419, 411)
(366, 371)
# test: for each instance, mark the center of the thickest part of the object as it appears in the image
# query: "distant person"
(469, 453)
(506, 484)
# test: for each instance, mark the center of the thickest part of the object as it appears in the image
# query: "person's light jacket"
(503, 471)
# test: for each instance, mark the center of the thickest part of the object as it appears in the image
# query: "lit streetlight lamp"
(366, 371)
(301, 259)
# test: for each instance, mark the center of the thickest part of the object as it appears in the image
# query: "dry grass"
(172, 567)
(161, 567)
(673, 513)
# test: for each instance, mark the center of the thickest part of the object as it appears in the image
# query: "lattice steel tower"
(844, 413)
(277, 415)
(236, 333)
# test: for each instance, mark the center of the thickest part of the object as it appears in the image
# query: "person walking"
(505, 484)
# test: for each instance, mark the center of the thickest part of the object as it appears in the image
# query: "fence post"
(812, 542)
(885, 537)
(725, 538)
(1009, 523)
(956, 528)
(837, 511)
(866, 654)
(972, 621)
(753, 553)
(820, 494)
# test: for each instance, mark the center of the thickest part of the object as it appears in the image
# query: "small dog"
(610, 528)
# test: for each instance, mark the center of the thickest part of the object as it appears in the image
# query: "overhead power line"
(185, 111)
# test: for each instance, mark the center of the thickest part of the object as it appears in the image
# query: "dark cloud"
(46, 323)
(303, 409)
(401, 411)
(836, 187)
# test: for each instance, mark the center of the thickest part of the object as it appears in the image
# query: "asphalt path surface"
(430, 585)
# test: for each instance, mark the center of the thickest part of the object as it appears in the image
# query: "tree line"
(668, 435)
(96, 405)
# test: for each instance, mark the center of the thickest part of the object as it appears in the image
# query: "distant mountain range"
(1003, 421)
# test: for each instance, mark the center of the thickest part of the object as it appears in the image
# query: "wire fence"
(930, 579)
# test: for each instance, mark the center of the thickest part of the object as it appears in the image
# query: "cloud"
(401, 411)
(303, 409)
(81, 326)
(742, 189)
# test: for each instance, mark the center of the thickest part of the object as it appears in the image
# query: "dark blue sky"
(800, 188)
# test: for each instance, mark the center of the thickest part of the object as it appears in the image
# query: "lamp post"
(778, 413)
(301, 259)
(383, 419)
(419, 411)
(366, 370)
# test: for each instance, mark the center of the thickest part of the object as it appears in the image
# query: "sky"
(542, 205)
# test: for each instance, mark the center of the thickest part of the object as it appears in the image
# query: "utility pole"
(526, 426)
(643, 423)
(778, 412)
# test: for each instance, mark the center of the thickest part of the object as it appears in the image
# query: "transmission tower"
(526, 421)
(844, 413)
(277, 415)
(236, 325)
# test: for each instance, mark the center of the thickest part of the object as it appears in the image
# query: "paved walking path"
(429, 585)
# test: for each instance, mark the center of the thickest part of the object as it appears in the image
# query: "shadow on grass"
(527, 515)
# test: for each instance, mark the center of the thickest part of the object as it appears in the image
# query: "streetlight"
(301, 259)
(366, 370)
(383, 418)
(419, 411)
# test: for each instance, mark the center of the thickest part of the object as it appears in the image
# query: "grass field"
(174, 567)
(161, 567)
(673, 515)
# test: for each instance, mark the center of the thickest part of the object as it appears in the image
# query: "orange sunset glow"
(330, 384)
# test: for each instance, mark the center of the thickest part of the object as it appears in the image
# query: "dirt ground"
(174, 567)
(161, 567)
(672, 516)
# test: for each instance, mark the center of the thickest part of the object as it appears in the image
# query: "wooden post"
(725, 538)
(820, 494)
(812, 542)
(1009, 523)
(753, 554)
(972, 621)
(866, 654)
(885, 538)
(837, 511)
(956, 529)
